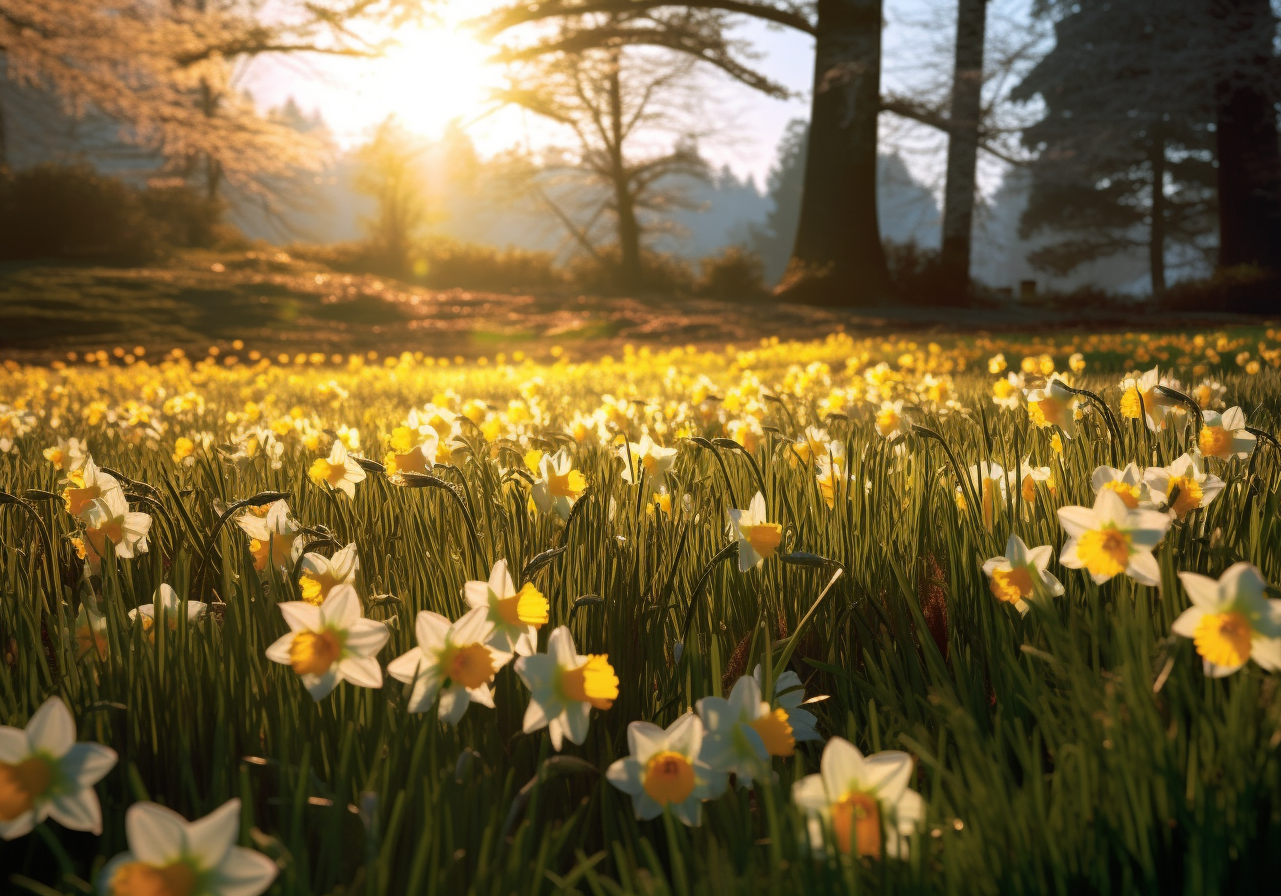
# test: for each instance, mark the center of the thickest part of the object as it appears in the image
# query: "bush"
(917, 276)
(661, 273)
(736, 275)
(1244, 289)
(444, 264)
(74, 213)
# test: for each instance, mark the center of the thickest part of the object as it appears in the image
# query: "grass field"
(1116, 737)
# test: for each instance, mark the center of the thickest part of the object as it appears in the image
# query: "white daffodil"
(86, 485)
(1053, 405)
(67, 456)
(564, 686)
(1139, 398)
(1231, 621)
(890, 422)
(44, 773)
(1025, 478)
(1208, 394)
(91, 631)
(831, 472)
(789, 696)
(273, 536)
(863, 801)
(557, 485)
(320, 574)
(1007, 392)
(1129, 485)
(108, 520)
(338, 471)
(1014, 577)
(170, 608)
(649, 458)
(742, 733)
(757, 538)
(1183, 486)
(664, 770)
(413, 450)
(331, 643)
(989, 482)
(170, 856)
(455, 660)
(516, 616)
(1224, 435)
(1110, 538)
(813, 444)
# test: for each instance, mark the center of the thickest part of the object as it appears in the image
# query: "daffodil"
(67, 455)
(557, 484)
(90, 631)
(812, 444)
(757, 538)
(1139, 398)
(989, 482)
(86, 485)
(1015, 576)
(412, 450)
(789, 696)
(273, 537)
(831, 471)
(1025, 477)
(564, 687)
(456, 661)
(170, 609)
(515, 615)
(330, 643)
(338, 471)
(109, 521)
(1208, 394)
(44, 773)
(320, 574)
(649, 459)
(1109, 539)
(1053, 405)
(742, 732)
(1128, 484)
(1225, 435)
(1231, 620)
(1007, 392)
(863, 801)
(665, 772)
(890, 422)
(1183, 485)
(170, 856)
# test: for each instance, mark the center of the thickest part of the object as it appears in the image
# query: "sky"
(438, 73)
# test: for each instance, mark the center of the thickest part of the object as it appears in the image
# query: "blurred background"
(869, 153)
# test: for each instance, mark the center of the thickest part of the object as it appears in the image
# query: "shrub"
(661, 273)
(735, 275)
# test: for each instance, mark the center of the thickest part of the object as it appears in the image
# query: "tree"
(616, 102)
(390, 171)
(963, 144)
(837, 257)
(1124, 147)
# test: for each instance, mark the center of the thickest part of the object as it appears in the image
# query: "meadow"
(971, 560)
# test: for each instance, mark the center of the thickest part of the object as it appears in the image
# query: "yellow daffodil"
(338, 471)
(1231, 620)
(757, 538)
(558, 485)
(564, 686)
(1109, 539)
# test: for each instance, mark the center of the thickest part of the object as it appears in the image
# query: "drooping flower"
(664, 770)
(1128, 485)
(320, 573)
(339, 471)
(44, 773)
(456, 661)
(273, 537)
(742, 732)
(330, 643)
(1109, 538)
(1225, 435)
(757, 538)
(789, 696)
(1231, 620)
(170, 856)
(515, 615)
(558, 485)
(1140, 398)
(1053, 405)
(170, 608)
(1183, 485)
(649, 458)
(564, 687)
(863, 801)
(1014, 577)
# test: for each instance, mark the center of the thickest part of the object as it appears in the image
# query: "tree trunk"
(629, 258)
(1249, 157)
(1156, 239)
(838, 258)
(963, 146)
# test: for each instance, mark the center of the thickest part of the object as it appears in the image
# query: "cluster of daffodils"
(100, 507)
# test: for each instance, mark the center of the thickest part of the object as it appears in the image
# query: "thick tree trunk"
(1249, 156)
(1156, 236)
(838, 258)
(963, 146)
(630, 274)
